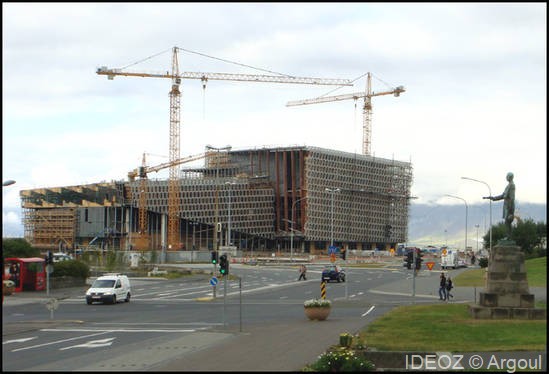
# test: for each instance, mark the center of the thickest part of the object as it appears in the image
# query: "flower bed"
(317, 303)
(317, 309)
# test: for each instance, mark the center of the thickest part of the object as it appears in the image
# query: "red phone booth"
(29, 274)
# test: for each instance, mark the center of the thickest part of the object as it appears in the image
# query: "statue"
(508, 197)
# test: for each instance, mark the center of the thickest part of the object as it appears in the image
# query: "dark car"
(333, 272)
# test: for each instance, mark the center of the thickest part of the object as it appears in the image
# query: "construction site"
(300, 198)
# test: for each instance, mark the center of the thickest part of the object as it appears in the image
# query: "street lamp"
(227, 148)
(216, 229)
(457, 197)
(292, 228)
(477, 226)
(490, 194)
(229, 220)
(332, 191)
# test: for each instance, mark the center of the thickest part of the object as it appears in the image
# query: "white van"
(109, 288)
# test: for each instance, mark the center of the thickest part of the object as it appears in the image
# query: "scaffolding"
(267, 195)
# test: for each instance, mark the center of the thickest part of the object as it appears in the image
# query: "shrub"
(18, 247)
(314, 303)
(71, 268)
(338, 360)
(483, 262)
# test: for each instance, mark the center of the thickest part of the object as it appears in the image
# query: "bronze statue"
(508, 197)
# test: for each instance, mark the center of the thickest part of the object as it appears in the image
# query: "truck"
(450, 259)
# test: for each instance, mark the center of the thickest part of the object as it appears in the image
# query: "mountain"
(428, 224)
(445, 224)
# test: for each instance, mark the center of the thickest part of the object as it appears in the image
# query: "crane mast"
(367, 108)
(173, 188)
(142, 172)
(175, 94)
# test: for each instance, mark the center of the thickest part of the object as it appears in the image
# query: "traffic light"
(409, 259)
(223, 265)
(49, 258)
(214, 257)
(419, 260)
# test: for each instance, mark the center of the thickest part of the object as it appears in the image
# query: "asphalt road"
(175, 325)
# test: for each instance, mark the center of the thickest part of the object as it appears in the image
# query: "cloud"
(475, 78)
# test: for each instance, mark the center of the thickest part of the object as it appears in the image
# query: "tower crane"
(142, 172)
(367, 109)
(174, 141)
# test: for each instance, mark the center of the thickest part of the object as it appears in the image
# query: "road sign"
(213, 281)
(430, 265)
(332, 257)
(332, 249)
(444, 251)
(52, 304)
(49, 268)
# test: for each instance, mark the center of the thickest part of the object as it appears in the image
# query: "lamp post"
(216, 229)
(229, 220)
(490, 200)
(227, 148)
(466, 214)
(292, 229)
(332, 191)
(477, 237)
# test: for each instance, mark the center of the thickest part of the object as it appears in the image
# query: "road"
(167, 320)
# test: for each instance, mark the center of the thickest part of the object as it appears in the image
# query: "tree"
(527, 234)
(18, 247)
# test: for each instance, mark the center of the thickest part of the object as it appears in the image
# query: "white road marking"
(19, 340)
(369, 310)
(126, 330)
(91, 344)
(59, 341)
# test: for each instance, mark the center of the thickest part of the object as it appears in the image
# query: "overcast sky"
(474, 74)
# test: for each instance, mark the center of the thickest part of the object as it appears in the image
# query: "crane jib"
(111, 73)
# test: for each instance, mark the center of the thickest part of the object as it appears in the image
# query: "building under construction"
(304, 198)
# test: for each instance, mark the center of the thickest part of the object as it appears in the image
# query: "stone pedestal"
(506, 295)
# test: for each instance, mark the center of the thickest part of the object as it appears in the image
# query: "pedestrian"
(473, 259)
(442, 287)
(302, 272)
(449, 286)
(14, 273)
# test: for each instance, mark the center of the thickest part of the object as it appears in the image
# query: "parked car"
(333, 272)
(109, 288)
(60, 256)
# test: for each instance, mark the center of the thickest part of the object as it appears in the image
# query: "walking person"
(449, 286)
(302, 272)
(442, 287)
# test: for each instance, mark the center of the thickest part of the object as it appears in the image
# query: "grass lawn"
(536, 272)
(449, 327)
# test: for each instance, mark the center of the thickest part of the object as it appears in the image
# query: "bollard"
(323, 290)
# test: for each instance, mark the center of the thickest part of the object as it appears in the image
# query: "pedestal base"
(482, 312)
(506, 295)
